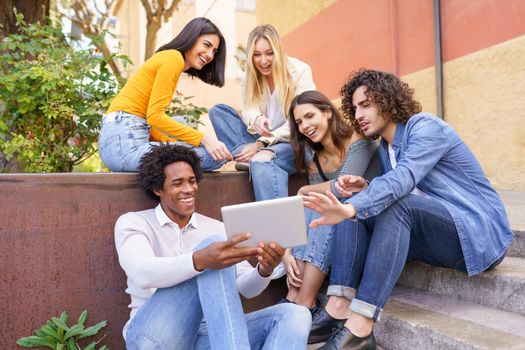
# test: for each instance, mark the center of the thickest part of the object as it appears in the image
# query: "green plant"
(56, 334)
(191, 113)
(52, 97)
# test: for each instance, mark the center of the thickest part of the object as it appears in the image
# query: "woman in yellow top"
(136, 119)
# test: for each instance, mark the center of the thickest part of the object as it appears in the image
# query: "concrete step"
(414, 319)
(501, 288)
(517, 248)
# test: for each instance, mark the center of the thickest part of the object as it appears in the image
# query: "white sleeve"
(138, 260)
(249, 282)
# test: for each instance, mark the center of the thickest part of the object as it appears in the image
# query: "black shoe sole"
(318, 338)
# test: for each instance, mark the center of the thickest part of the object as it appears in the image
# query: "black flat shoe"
(343, 339)
(322, 326)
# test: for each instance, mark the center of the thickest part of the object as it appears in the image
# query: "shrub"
(57, 335)
(51, 97)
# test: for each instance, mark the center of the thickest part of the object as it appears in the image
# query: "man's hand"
(216, 148)
(262, 126)
(219, 255)
(270, 255)
(292, 270)
(248, 151)
(346, 185)
(332, 211)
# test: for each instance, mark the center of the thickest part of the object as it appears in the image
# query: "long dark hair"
(213, 72)
(337, 126)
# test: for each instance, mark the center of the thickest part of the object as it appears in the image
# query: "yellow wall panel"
(485, 102)
(484, 97)
(286, 15)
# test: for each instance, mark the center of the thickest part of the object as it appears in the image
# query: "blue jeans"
(172, 318)
(370, 254)
(123, 141)
(269, 178)
(318, 250)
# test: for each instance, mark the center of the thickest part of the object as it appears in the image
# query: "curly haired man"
(433, 203)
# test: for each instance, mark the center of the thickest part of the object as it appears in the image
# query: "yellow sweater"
(149, 91)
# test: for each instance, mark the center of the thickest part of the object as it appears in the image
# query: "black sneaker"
(343, 338)
(322, 326)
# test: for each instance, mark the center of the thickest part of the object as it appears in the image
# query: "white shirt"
(274, 110)
(393, 163)
(156, 253)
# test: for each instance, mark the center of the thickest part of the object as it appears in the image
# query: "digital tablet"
(276, 220)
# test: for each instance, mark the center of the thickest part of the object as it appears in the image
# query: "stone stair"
(438, 308)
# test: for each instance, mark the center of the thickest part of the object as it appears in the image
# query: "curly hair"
(338, 128)
(393, 98)
(151, 168)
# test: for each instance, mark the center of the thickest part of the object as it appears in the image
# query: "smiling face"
(202, 52)
(177, 196)
(312, 122)
(263, 57)
(371, 122)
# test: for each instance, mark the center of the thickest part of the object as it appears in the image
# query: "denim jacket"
(431, 156)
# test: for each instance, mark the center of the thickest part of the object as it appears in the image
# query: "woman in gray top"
(317, 125)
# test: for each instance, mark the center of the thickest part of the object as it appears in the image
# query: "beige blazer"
(303, 81)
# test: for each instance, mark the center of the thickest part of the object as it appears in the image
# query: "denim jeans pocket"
(110, 151)
(138, 131)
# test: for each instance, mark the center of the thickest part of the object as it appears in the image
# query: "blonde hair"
(255, 82)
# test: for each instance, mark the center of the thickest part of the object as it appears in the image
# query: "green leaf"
(34, 341)
(92, 330)
(60, 347)
(60, 324)
(49, 331)
(71, 344)
(73, 331)
(83, 317)
(91, 346)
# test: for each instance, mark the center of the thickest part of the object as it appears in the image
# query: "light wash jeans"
(123, 141)
(370, 254)
(172, 318)
(318, 250)
(269, 178)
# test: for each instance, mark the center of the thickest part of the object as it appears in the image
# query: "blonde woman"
(260, 136)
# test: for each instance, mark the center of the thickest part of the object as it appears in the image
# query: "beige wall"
(484, 97)
(286, 15)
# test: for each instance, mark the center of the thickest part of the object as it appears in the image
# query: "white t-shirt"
(156, 253)
(393, 163)
(274, 110)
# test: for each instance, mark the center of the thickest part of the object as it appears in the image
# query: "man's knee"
(263, 156)
(296, 316)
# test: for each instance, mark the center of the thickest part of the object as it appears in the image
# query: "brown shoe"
(242, 166)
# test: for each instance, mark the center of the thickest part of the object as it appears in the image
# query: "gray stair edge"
(405, 326)
(505, 321)
(501, 288)
(517, 247)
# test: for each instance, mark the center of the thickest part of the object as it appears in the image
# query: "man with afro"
(184, 277)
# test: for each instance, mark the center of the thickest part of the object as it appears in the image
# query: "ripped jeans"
(269, 172)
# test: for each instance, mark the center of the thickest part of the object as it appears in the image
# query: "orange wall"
(397, 35)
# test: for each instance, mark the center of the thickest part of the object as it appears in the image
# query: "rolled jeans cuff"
(365, 309)
(341, 291)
